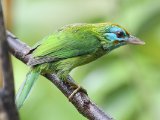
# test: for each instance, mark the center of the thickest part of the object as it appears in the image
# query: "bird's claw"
(79, 88)
(76, 88)
(74, 92)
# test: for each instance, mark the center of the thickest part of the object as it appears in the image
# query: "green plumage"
(26, 87)
(68, 42)
(69, 47)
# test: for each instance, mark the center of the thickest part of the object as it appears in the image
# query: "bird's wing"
(56, 47)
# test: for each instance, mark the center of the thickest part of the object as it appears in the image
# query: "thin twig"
(7, 104)
(81, 101)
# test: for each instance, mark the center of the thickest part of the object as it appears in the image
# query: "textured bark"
(8, 109)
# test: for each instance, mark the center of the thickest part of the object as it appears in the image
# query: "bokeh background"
(125, 83)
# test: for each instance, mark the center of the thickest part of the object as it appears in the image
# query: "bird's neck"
(111, 47)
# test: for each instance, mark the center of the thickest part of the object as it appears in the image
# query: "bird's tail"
(26, 87)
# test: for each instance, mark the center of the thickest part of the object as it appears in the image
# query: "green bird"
(69, 47)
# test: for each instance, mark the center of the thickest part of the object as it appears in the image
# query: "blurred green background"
(125, 83)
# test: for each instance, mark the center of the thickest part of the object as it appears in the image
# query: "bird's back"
(67, 42)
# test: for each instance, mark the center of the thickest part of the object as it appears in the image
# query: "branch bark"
(7, 105)
(81, 101)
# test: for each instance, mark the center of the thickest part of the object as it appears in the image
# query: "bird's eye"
(120, 34)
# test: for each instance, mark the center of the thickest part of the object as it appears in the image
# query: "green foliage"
(125, 83)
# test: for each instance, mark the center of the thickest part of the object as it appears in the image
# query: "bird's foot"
(76, 88)
(74, 92)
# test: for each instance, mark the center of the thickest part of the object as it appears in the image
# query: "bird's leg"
(63, 75)
(74, 92)
(76, 88)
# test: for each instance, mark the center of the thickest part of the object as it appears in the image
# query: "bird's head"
(117, 36)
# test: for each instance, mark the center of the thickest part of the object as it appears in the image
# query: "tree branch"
(7, 105)
(81, 101)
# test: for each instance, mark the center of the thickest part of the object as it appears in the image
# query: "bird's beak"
(135, 41)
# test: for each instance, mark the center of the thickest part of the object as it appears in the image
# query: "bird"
(69, 47)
